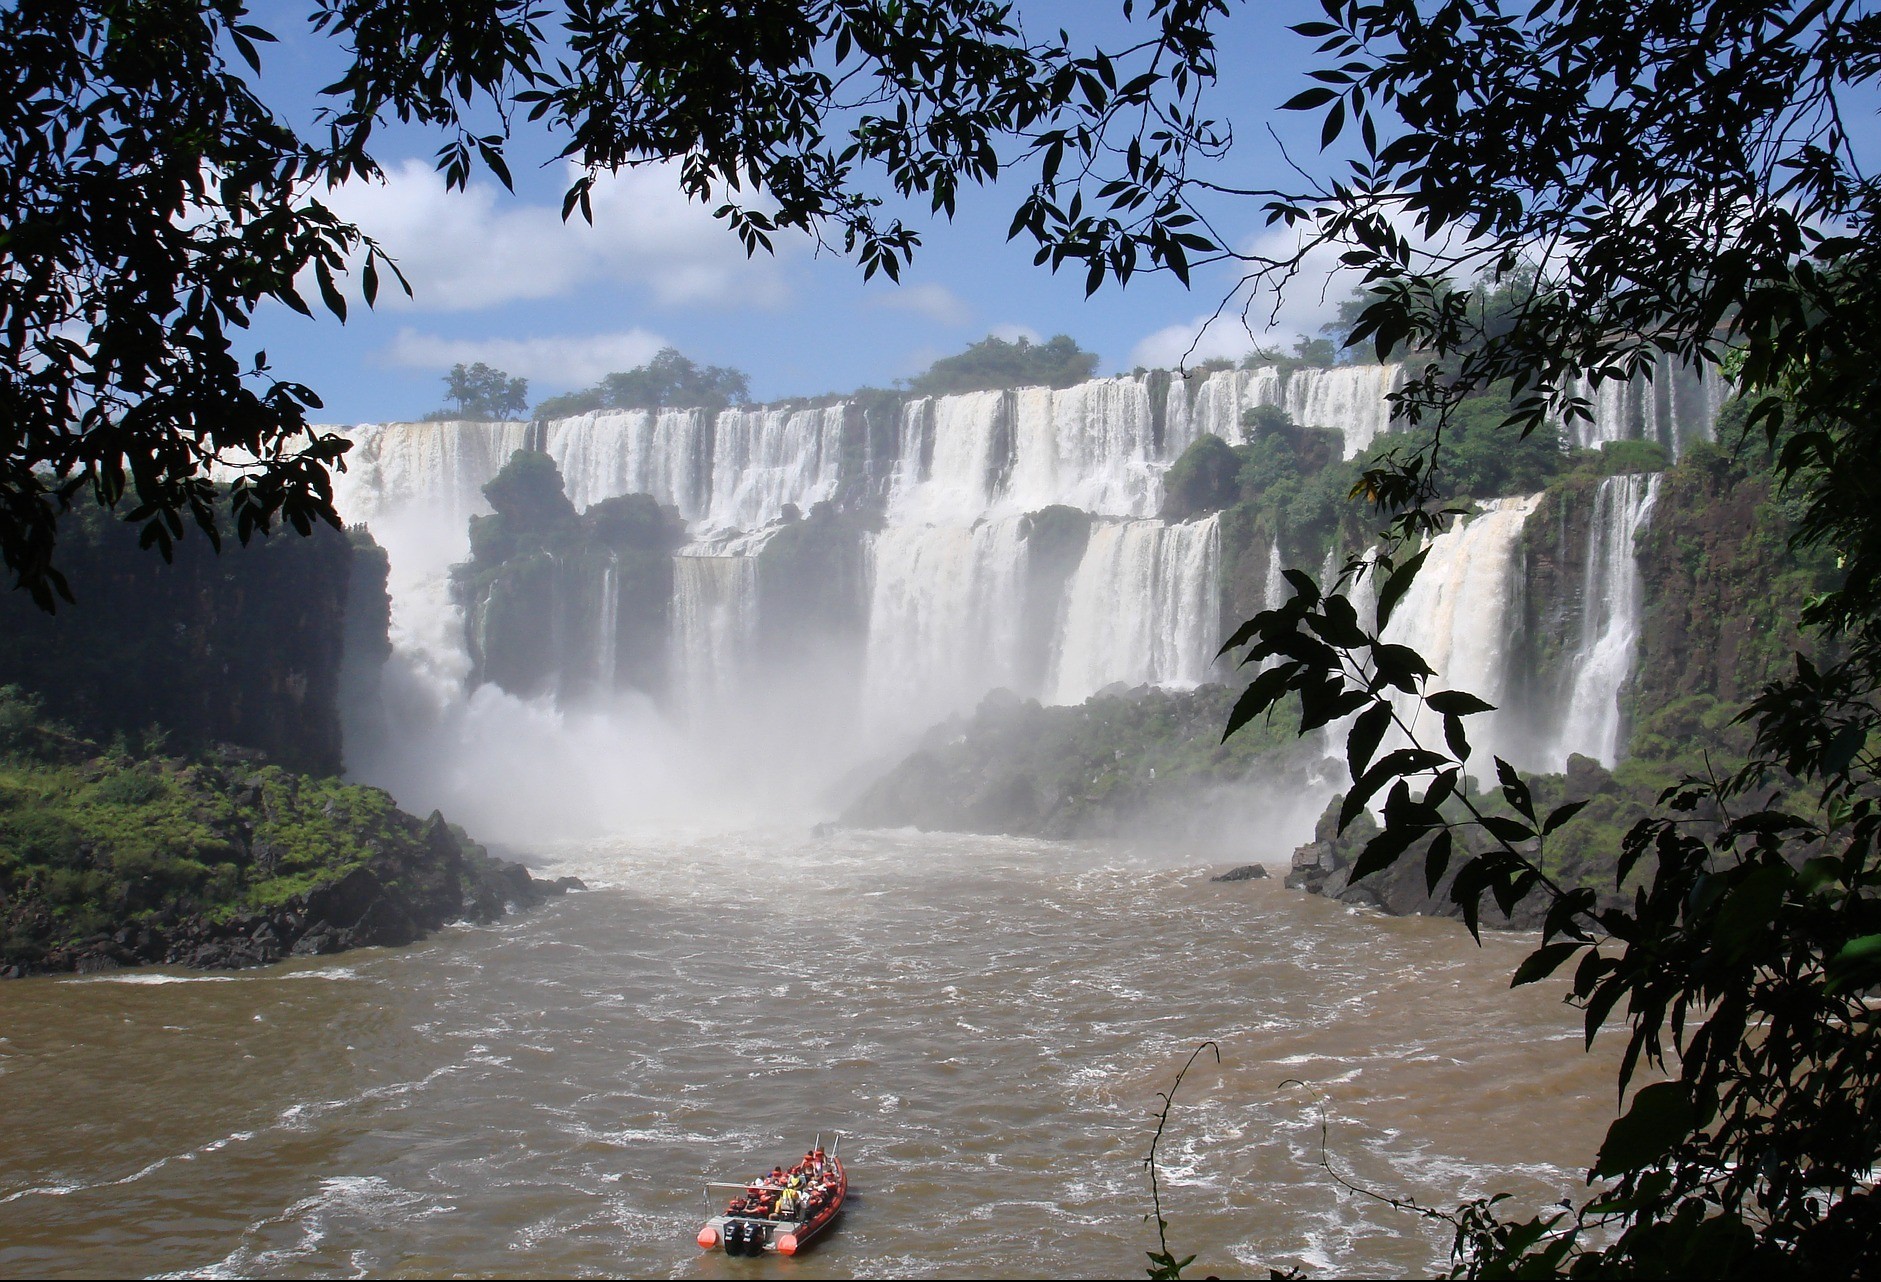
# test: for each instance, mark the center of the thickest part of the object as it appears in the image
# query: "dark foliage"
(1657, 180)
(152, 201)
(246, 648)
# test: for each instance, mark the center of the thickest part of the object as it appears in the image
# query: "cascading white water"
(1144, 608)
(439, 468)
(1091, 446)
(607, 626)
(765, 458)
(956, 486)
(1349, 399)
(1610, 620)
(1462, 612)
(659, 452)
(945, 615)
(1671, 405)
(951, 611)
(713, 619)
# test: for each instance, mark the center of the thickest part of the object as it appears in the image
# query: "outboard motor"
(735, 1231)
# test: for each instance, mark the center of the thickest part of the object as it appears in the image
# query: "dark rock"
(1246, 872)
(824, 829)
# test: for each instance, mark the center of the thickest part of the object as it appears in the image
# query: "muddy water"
(987, 1022)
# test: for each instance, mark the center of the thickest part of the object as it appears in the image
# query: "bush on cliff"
(1206, 478)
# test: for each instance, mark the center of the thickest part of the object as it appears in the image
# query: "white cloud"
(477, 248)
(1012, 333)
(575, 361)
(936, 302)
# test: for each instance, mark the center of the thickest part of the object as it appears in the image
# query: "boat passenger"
(789, 1202)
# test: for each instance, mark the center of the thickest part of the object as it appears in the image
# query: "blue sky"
(500, 278)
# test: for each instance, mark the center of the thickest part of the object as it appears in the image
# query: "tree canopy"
(994, 362)
(1579, 188)
(154, 197)
(669, 379)
(485, 393)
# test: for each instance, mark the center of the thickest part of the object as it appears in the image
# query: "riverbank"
(222, 860)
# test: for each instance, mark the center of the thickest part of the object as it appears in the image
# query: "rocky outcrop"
(113, 860)
(1125, 764)
(393, 899)
(1246, 872)
(1324, 866)
(565, 603)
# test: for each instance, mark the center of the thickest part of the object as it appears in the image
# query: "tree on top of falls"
(485, 393)
(993, 362)
(153, 199)
(669, 379)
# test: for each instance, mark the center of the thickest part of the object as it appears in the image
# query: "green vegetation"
(138, 858)
(1206, 478)
(669, 379)
(995, 363)
(481, 392)
(1479, 459)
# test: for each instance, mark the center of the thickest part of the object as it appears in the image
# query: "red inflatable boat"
(781, 1211)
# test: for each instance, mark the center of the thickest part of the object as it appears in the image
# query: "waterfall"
(713, 618)
(946, 590)
(607, 629)
(664, 453)
(437, 468)
(945, 618)
(1143, 608)
(1274, 590)
(1091, 446)
(1671, 403)
(765, 458)
(1610, 621)
(1462, 612)
(1349, 399)
(957, 434)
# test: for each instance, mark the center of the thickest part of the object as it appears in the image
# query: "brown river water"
(987, 1023)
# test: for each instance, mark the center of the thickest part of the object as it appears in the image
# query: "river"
(987, 1022)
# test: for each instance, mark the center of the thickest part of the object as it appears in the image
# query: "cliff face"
(561, 603)
(1723, 590)
(245, 647)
